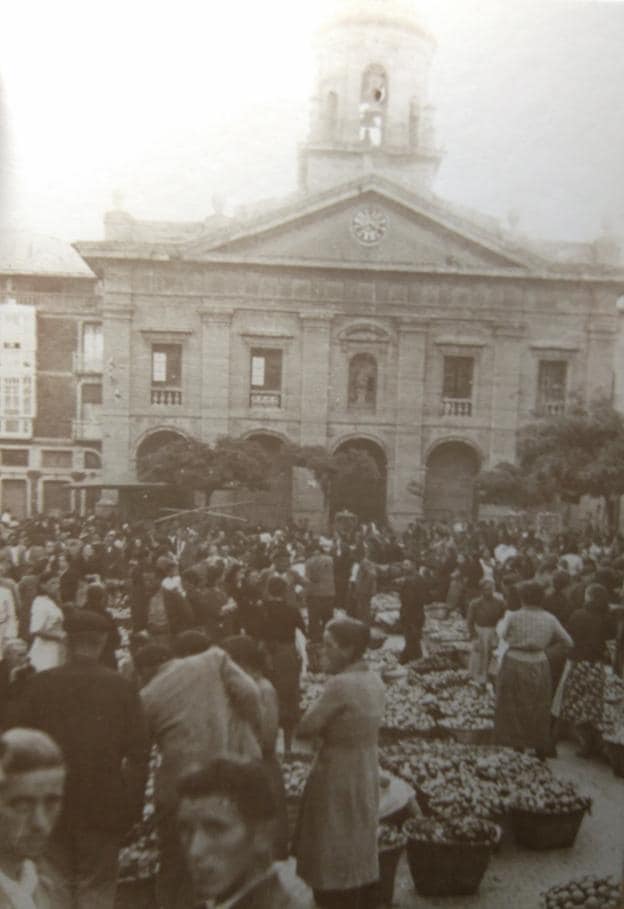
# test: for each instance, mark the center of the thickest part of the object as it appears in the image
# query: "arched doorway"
(154, 441)
(270, 507)
(361, 485)
(144, 501)
(452, 468)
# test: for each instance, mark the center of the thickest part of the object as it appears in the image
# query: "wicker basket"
(546, 831)
(615, 753)
(447, 869)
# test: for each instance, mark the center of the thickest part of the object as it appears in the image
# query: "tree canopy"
(193, 465)
(347, 477)
(561, 459)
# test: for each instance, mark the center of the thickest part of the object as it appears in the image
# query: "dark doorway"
(361, 485)
(452, 468)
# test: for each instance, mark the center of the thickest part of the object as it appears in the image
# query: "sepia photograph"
(312, 454)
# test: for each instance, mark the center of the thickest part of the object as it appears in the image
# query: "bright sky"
(172, 102)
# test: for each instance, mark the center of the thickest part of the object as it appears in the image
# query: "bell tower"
(369, 112)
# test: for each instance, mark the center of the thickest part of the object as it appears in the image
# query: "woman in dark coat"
(583, 684)
(280, 623)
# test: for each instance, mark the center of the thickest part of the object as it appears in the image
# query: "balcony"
(87, 430)
(16, 427)
(85, 365)
(456, 407)
(265, 399)
(166, 397)
(551, 408)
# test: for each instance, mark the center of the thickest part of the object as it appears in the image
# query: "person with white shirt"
(32, 781)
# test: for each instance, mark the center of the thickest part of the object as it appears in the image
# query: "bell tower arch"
(370, 109)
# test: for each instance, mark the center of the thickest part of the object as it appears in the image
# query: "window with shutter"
(266, 377)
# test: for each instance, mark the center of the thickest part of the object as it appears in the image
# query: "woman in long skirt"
(524, 688)
(336, 838)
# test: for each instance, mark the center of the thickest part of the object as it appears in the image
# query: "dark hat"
(78, 621)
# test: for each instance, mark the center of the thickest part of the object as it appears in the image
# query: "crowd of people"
(222, 624)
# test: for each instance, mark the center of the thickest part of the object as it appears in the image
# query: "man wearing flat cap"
(96, 717)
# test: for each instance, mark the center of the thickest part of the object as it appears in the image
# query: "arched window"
(373, 101)
(363, 382)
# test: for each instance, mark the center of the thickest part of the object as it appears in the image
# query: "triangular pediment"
(373, 223)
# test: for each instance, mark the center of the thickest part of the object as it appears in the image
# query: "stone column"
(408, 469)
(315, 376)
(215, 371)
(117, 462)
(505, 392)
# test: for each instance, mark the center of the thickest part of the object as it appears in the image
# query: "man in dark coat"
(96, 717)
(414, 594)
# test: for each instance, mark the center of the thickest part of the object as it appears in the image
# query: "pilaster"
(315, 376)
(216, 326)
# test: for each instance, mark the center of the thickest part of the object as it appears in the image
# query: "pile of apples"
(589, 892)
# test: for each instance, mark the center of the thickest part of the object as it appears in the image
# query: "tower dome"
(370, 109)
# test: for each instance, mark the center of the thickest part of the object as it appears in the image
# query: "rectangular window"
(16, 399)
(14, 457)
(266, 377)
(266, 369)
(457, 387)
(551, 387)
(92, 342)
(458, 373)
(60, 459)
(167, 365)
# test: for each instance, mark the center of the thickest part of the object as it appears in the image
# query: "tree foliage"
(561, 459)
(347, 478)
(193, 465)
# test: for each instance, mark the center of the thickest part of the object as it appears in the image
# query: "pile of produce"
(614, 691)
(439, 682)
(587, 892)
(390, 837)
(468, 702)
(447, 832)
(386, 610)
(404, 712)
(295, 772)
(438, 662)
(311, 688)
(453, 780)
(138, 859)
(443, 634)
(551, 796)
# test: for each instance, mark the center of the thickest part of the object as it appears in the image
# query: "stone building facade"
(361, 311)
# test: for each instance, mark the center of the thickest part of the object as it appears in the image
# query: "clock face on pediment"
(369, 225)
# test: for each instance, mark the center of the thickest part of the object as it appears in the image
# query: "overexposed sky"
(171, 102)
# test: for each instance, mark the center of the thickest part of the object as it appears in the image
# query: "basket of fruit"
(449, 857)
(549, 815)
(589, 892)
(390, 844)
(468, 730)
(614, 747)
